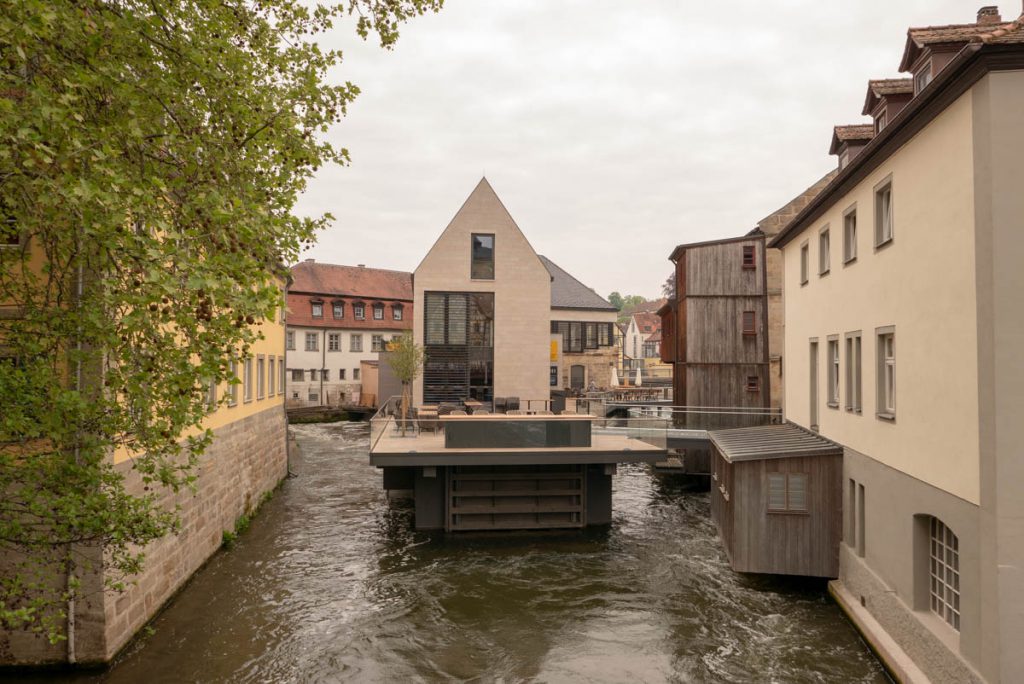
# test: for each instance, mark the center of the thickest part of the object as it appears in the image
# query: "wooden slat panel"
(515, 497)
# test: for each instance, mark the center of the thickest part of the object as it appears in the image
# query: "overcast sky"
(612, 131)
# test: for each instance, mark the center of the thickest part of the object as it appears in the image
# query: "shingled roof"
(569, 293)
(885, 87)
(858, 132)
(771, 441)
(953, 34)
(332, 279)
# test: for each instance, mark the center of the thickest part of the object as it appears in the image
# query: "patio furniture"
(512, 404)
(500, 404)
(427, 420)
(458, 412)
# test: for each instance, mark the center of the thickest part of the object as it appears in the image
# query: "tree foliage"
(406, 359)
(151, 154)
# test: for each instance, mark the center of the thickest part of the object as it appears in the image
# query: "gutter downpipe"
(72, 656)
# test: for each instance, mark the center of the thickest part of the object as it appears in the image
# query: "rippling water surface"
(330, 583)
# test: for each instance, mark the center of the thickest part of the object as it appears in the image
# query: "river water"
(331, 584)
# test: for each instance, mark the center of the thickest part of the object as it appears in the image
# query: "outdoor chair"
(545, 412)
(458, 412)
(515, 412)
(512, 404)
(568, 412)
(500, 404)
(481, 412)
(427, 420)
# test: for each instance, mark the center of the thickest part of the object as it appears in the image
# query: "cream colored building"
(903, 330)
(497, 320)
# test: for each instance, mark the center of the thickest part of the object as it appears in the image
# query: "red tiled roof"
(646, 318)
(952, 34)
(300, 313)
(859, 132)
(885, 87)
(351, 281)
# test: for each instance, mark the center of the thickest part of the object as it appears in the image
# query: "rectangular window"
(280, 372)
(247, 380)
(923, 77)
(355, 343)
(333, 342)
(753, 383)
(944, 573)
(339, 309)
(787, 492)
(749, 257)
(396, 312)
(861, 534)
(211, 394)
(298, 375)
(604, 334)
(377, 343)
(886, 354)
(289, 340)
(312, 374)
(880, 122)
(749, 323)
(312, 343)
(355, 373)
(833, 371)
(883, 213)
(341, 373)
(590, 336)
(483, 257)
(313, 396)
(271, 377)
(378, 312)
(851, 513)
(824, 258)
(359, 312)
(805, 263)
(261, 377)
(232, 385)
(853, 372)
(325, 374)
(318, 309)
(850, 235)
(553, 381)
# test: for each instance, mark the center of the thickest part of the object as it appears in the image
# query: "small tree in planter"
(406, 360)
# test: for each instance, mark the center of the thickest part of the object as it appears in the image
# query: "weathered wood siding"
(780, 543)
(724, 385)
(717, 269)
(716, 330)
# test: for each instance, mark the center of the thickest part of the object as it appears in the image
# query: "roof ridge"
(1001, 31)
(363, 268)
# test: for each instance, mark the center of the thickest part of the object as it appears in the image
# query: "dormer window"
(880, 122)
(923, 77)
(378, 312)
(359, 311)
(318, 309)
(339, 309)
(844, 159)
(396, 311)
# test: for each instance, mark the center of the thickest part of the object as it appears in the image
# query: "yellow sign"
(554, 350)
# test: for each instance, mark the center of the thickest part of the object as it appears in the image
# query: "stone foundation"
(247, 459)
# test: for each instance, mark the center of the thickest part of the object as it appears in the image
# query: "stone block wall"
(597, 363)
(247, 459)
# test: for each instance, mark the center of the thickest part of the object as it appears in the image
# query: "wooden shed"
(777, 499)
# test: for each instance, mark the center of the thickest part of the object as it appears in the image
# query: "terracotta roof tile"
(952, 34)
(855, 132)
(647, 319)
(886, 87)
(351, 281)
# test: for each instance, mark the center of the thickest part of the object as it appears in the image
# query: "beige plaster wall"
(923, 283)
(521, 287)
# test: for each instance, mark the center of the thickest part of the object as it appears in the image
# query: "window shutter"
(776, 492)
(434, 305)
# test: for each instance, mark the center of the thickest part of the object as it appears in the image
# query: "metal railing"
(686, 417)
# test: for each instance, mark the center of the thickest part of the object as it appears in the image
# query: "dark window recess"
(749, 257)
(554, 376)
(749, 323)
(577, 336)
(459, 341)
(753, 383)
(483, 257)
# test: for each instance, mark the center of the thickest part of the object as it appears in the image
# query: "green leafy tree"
(406, 360)
(151, 154)
(615, 299)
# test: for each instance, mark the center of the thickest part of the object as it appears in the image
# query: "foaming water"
(331, 583)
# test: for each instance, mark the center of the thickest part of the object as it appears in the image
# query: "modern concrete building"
(339, 317)
(903, 330)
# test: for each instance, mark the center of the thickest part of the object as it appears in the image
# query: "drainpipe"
(79, 291)
(323, 363)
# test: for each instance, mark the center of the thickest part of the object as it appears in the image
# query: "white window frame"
(944, 572)
(338, 310)
(232, 385)
(281, 375)
(261, 370)
(922, 77)
(805, 262)
(355, 342)
(289, 340)
(884, 213)
(396, 312)
(334, 342)
(359, 312)
(886, 377)
(824, 252)
(317, 309)
(377, 343)
(271, 376)
(850, 235)
(247, 380)
(378, 312)
(312, 342)
(854, 371)
(833, 371)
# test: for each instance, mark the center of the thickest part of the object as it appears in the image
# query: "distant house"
(583, 347)
(339, 317)
(903, 330)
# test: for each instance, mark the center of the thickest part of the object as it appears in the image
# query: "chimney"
(989, 14)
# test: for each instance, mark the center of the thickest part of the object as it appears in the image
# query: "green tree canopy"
(151, 154)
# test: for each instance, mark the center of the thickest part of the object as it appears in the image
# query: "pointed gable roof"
(314, 278)
(856, 133)
(569, 293)
(883, 87)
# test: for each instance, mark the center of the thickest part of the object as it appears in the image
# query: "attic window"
(318, 309)
(880, 122)
(753, 383)
(339, 309)
(923, 77)
(482, 267)
(749, 257)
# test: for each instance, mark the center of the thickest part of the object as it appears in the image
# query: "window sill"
(833, 406)
(888, 417)
(822, 274)
(771, 512)
(804, 282)
(883, 244)
(483, 280)
(851, 260)
(853, 409)
(749, 268)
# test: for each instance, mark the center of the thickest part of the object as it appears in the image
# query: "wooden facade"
(791, 531)
(718, 325)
